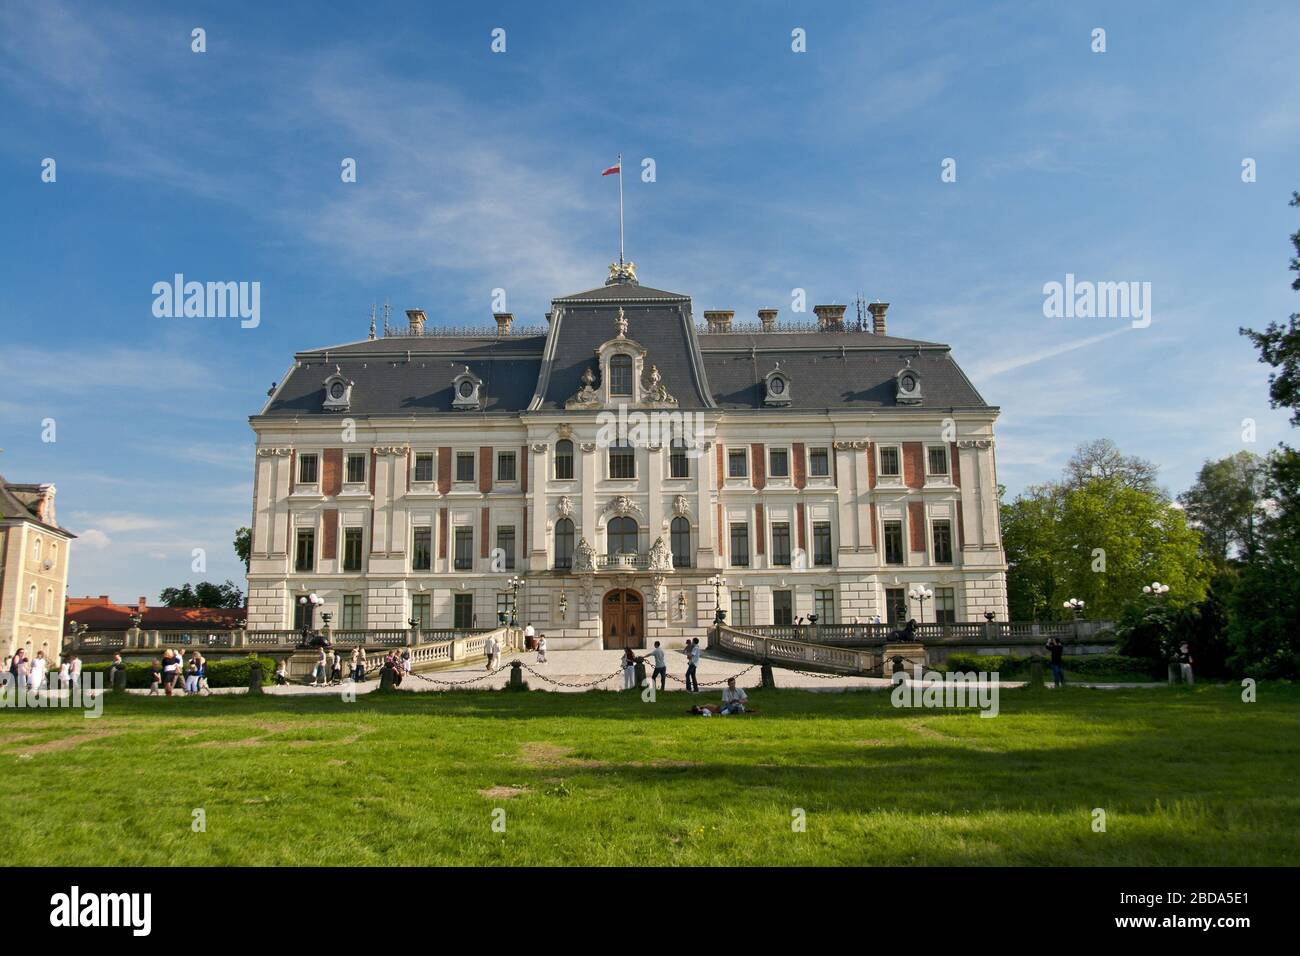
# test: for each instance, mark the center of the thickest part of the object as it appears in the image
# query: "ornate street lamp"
(564, 606)
(1075, 606)
(1155, 589)
(718, 582)
(921, 595)
(515, 583)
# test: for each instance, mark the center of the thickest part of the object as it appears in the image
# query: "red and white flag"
(617, 168)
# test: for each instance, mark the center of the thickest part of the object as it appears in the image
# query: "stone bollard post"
(638, 673)
(119, 679)
(769, 682)
(255, 676)
(1174, 674)
(517, 676)
(386, 678)
(1035, 671)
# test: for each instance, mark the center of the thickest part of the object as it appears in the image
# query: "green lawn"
(1185, 777)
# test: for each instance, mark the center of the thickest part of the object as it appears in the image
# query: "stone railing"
(269, 641)
(878, 634)
(795, 654)
(618, 562)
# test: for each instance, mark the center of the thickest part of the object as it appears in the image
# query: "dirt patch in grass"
(537, 753)
(502, 793)
(66, 743)
(868, 743)
(8, 739)
(227, 744)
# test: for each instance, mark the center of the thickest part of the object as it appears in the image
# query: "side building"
(33, 570)
(616, 469)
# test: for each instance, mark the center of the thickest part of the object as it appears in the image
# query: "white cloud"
(93, 539)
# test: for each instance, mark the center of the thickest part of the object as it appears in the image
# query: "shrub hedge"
(227, 672)
(1082, 665)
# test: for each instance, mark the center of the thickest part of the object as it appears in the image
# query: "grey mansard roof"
(412, 374)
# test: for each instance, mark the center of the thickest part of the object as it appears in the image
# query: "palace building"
(614, 470)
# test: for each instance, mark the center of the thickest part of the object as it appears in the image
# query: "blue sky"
(477, 170)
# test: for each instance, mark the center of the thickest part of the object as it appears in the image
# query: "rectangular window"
(307, 469)
(620, 375)
(422, 549)
(464, 549)
(622, 462)
(740, 545)
(678, 464)
(422, 610)
(943, 542)
(740, 609)
(945, 606)
(737, 463)
(463, 611)
(424, 466)
(352, 613)
(505, 466)
(824, 605)
(937, 456)
(889, 461)
(352, 549)
(782, 607)
(819, 463)
(305, 559)
(464, 466)
(506, 545)
(356, 469)
(778, 463)
(564, 460)
(895, 606)
(781, 543)
(822, 543)
(893, 542)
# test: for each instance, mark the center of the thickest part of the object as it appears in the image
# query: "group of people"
(172, 671)
(660, 671)
(1056, 650)
(331, 667)
(31, 672)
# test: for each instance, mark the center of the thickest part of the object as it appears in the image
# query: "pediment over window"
(467, 391)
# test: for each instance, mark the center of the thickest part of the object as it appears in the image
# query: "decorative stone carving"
(584, 556)
(658, 592)
(656, 392)
(391, 449)
(274, 452)
(564, 507)
(623, 505)
(622, 272)
(975, 443)
(538, 447)
(586, 396)
(661, 556)
(852, 445)
(564, 430)
(681, 506)
(587, 446)
(620, 324)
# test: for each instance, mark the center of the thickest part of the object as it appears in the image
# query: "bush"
(1090, 665)
(228, 672)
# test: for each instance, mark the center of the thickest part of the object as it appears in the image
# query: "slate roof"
(19, 501)
(397, 375)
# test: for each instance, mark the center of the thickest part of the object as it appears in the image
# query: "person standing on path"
(37, 677)
(692, 662)
(661, 667)
(530, 637)
(1056, 649)
(629, 669)
(541, 649)
(1185, 663)
(74, 670)
(493, 651)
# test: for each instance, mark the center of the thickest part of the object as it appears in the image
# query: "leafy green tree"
(1279, 345)
(1101, 458)
(1226, 504)
(244, 545)
(203, 594)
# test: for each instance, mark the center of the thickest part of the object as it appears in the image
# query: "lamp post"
(718, 582)
(516, 582)
(1155, 589)
(921, 595)
(564, 606)
(1075, 606)
(308, 603)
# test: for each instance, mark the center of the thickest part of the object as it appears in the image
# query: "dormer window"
(467, 390)
(908, 386)
(338, 392)
(776, 388)
(620, 376)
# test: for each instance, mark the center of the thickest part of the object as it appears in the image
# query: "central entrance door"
(623, 619)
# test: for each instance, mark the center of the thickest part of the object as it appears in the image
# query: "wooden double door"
(622, 619)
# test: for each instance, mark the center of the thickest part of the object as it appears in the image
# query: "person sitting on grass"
(733, 699)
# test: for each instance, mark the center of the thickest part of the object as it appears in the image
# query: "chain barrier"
(560, 683)
(715, 683)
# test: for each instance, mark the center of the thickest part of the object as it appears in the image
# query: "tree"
(204, 594)
(1099, 541)
(1100, 458)
(1226, 504)
(1279, 345)
(244, 545)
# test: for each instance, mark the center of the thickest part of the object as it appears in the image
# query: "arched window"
(681, 542)
(49, 601)
(36, 550)
(31, 599)
(620, 375)
(54, 554)
(622, 536)
(563, 460)
(563, 544)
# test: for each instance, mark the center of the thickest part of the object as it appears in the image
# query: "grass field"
(1185, 777)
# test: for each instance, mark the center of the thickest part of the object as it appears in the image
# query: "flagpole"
(620, 209)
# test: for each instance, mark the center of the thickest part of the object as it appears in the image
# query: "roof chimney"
(504, 321)
(878, 310)
(142, 605)
(767, 318)
(417, 319)
(719, 320)
(830, 317)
